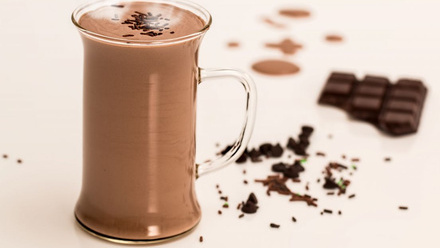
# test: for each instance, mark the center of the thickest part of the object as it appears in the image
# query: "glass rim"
(76, 15)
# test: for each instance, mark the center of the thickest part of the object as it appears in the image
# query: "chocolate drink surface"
(139, 121)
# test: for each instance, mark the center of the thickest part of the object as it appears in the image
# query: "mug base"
(132, 241)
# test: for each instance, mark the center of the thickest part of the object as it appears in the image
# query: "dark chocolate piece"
(403, 107)
(338, 89)
(249, 208)
(252, 198)
(394, 108)
(279, 167)
(367, 98)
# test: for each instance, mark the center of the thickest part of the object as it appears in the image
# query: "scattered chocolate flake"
(233, 44)
(117, 5)
(244, 171)
(403, 207)
(5, 156)
(239, 206)
(318, 180)
(241, 216)
(307, 186)
(351, 196)
(201, 239)
(128, 35)
(355, 160)
(220, 192)
(334, 38)
(330, 193)
(245, 181)
(328, 211)
(306, 198)
(242, 158)
(172, 32)
(330, 184)
(339, 212)
(19, 161)
(273, 225)
(219, 212)
(387, 159)
(343, 156)
(320, 154)
(279, 167)
(217, 186)
(293, 219)
(225, 198)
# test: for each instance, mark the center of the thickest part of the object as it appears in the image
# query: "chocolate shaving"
(403, 207)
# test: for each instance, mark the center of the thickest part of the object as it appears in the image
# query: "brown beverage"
(140, 79)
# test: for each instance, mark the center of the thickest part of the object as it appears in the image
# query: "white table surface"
(40, 123)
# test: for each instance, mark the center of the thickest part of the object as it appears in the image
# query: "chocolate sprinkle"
(201, 239)
(351, 196)
(219, 212)
(19, 161)
(273, 225)
(328, 211)
(117, 5)
(241, 216)
(293, 219)
(403, 207)
(127, 35)
(387, 159)
(320, 154)
(5, 156)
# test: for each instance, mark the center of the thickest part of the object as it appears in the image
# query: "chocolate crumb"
(322, 213)
(355, 160)
(403, 207)
(328, 211)
(351, 196)
(245, 181)
(273, 225)
(330, 193)
(293, 219)
(128, 35)
(219, 212)
(239, 206)
(244, 171)
(343, 156)
(241, 216)
(217, 186)
(220, 192)
(172, 32)
(318, 180)
(201, 239)
(339, 212)
(387, 159)
(5, 156)
(320, 154)
(225, 198)
(19, 161)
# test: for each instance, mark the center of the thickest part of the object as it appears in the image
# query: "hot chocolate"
(139, 121)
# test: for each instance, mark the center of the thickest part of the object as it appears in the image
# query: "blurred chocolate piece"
(394, 108)
(403, 107)
(338, 89)
(367, 98)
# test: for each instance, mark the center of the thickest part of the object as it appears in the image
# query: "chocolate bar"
(394, 108)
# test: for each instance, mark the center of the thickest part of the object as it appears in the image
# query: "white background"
(40, 122)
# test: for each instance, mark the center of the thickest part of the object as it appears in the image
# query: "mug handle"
(251, 100)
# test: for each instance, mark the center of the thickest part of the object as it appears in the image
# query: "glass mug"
(139, 110)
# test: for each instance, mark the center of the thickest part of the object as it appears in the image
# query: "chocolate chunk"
(330, 184)
(241, 159)
(254, 155)
(291, 172)
(308, 130)
(266, 149)
(279, 167)
(249, 208)
(224, 151)
(252, 198)
(394, 108)
(297, 166)
(276, 151)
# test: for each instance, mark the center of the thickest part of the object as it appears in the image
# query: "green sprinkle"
(226, 204)
(303, 160)
(340, 182)
(298, 194)
(354, 167)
